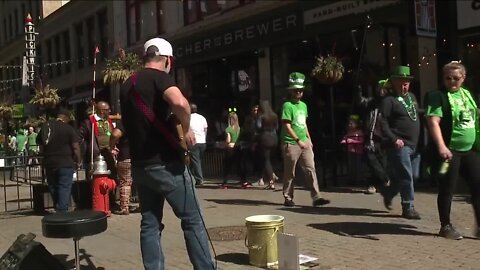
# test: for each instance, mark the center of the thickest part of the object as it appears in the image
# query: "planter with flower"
(6, 111)
(328, 69)
(119, 69)
(45, 97)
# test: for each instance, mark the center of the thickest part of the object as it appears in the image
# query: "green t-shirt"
(21, 142)
(297, 114)
(32, 142)
(233, 134)
(463, 117)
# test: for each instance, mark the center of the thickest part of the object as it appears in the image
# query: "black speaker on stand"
(26, 254)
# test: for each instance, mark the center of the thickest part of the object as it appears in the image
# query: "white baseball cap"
(162, 47)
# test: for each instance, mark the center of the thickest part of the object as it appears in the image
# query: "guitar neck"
(181, 135)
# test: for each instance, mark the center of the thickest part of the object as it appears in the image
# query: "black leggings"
(268, 144)
(234, 157)
(466, 164)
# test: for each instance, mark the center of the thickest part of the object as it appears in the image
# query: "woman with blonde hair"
(452, 117)
(232, 150)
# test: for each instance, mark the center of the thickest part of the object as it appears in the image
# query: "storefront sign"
(425, 22)
(343, 8)
(468, 13)
(18, 111)
(30, 52)
(235, 36)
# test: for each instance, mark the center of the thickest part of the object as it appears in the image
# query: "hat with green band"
(383, 83)
(295, 81)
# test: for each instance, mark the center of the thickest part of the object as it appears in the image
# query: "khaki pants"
(291, 154)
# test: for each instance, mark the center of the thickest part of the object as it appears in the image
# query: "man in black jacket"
(401, 128)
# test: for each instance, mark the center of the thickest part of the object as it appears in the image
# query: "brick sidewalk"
(353, 232)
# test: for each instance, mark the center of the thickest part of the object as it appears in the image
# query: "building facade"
(237, 52)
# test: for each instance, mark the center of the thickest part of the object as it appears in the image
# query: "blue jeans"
(402, 165)
(196, 161)
(60, 185)
(155, 184)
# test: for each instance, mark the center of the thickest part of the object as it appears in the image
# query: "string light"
(10, 67)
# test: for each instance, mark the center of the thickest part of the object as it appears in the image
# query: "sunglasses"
(453, 78)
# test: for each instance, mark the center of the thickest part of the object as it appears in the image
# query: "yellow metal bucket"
(261, 239)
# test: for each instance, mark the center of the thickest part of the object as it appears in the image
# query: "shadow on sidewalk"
(337, 211)
(367, 230)
(236, 258)
(84, 257)
(241, 202)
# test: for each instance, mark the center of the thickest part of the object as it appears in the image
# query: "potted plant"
(6, 111)
(45, 97)
(119, 69)
(328, 69)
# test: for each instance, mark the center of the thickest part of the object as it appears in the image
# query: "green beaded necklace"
(410, 108)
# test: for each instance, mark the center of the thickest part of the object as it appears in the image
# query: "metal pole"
(93, 105)
(334, 136)
(77, 253)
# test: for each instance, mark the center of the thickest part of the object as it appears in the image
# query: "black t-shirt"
(58, 153)
(147, 145)
(397, 124)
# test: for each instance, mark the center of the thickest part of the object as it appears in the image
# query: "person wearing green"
(296, 143)
(452, 117)
(32, 146)
(232, 154)
(21, 145)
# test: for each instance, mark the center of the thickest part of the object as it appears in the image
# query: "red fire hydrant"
(101, 187)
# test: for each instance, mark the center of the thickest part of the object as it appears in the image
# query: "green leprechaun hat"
(401, 72)
(296, 80)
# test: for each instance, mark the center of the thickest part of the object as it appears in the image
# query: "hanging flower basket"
(6, 111)
(45, 97)
(328, 70)
(119, 69)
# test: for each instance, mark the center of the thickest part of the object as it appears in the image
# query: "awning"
(85, 96)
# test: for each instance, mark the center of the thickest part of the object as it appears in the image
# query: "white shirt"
(198, 125)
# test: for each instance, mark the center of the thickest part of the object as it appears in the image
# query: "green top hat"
(296, 80)
(401, 72)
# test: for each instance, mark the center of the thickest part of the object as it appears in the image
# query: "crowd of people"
(143, 154)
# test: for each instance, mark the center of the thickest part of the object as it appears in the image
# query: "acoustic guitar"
(180, 137)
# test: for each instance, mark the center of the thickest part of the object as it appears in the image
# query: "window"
(10, 26)
(4, 30)
(160, 13)
(66, 48)
(17, 28)
(23, 14)
(91, 38)
(196, 10)
(49, 68)
(79, 43)
(58, 56)
(103, 33)
(133, 21)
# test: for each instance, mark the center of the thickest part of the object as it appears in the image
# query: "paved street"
(353, 232)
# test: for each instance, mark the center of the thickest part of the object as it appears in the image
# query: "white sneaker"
(371, 190)
(260, 182)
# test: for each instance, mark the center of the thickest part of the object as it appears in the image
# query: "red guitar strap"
(150, 115)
